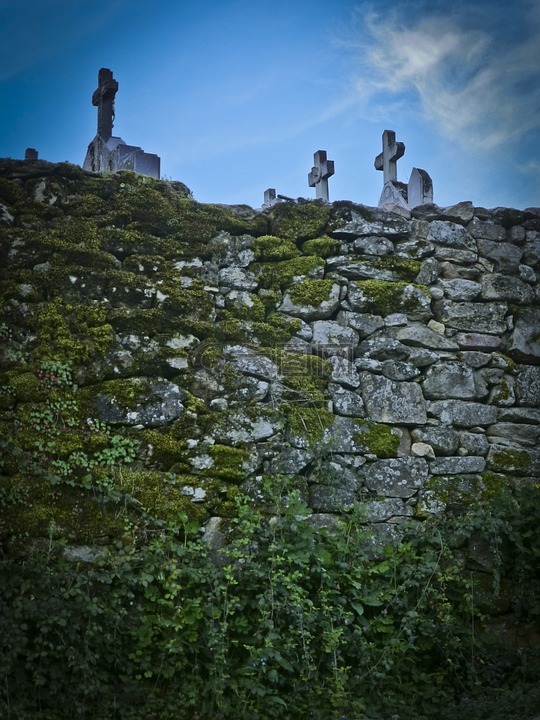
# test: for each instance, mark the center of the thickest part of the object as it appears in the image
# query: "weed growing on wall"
(286, 620)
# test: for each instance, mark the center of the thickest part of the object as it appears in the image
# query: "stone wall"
(386, 358)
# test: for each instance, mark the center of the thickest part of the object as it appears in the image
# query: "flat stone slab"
(515, 433)
(328, 333)
(376, 511)
(397, 477)
(386, 401)
(460, 289)
(241, 428)
(346, 402)
(505, 287)
(365, 324)
(449, 380)
(526, 336)
(444, 440)
(419, 335)
(528, 387)
(247, 361)
(305, 311)
(477, 341)
(457, 465)
(344, 372)
(450, 234)
(474, 317)
(462, 413)
(159, 403)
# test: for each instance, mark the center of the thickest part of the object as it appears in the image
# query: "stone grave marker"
(418, 191)
(320, 172)
(107, 153)
(270, 198)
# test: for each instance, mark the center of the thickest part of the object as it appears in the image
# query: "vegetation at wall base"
(286, 620)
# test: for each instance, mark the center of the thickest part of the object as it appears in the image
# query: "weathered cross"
(103, 99)
(387, 160)
(320, 172)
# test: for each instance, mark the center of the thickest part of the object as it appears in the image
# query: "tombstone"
(320, 172)
(419, 190)
(107, 153)
(31, 154)
(393, 192)
(270, 198)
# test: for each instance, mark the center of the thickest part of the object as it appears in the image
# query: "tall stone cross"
(103, 99)
(320, 172)
(387, 160)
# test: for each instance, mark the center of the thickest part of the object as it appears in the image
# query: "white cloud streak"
(476, 89)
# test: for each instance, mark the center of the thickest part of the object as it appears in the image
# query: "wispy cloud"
(478, 89)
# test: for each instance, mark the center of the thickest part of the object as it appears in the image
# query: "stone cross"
(387, 160)
(320, 172)
(103, 99)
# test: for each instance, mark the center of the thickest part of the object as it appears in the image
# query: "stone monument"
(320, 172)
(31, 154)
(107, 153)
(419, 189)
(270, 198)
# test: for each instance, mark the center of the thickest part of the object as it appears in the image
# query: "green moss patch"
(324, 246)
(270, 247)
(385, 297)
(405, 268)
(230, 463)
(282, 274)
(377, 438)
(509, 461)
(32, 507)
(311, 291)
(299, 222)
(308, 422)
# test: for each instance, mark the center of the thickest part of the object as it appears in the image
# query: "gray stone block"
(462, 413)
(449, 380)
(457, 465)
(397, 477)
(399, 403)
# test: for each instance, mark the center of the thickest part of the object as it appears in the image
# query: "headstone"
(31, 154)
(320, 172)
(107, 153)
(270, 198)
(419, 190)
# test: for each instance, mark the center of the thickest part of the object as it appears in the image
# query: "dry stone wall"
(385, 358)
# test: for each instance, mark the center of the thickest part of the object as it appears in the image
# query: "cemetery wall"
(384, 358)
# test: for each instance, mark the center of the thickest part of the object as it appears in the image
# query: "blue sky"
(237, 95)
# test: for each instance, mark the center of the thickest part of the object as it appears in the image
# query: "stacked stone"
(417, 332)
(449, 364)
